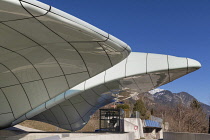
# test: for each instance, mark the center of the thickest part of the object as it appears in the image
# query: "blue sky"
(175, 27)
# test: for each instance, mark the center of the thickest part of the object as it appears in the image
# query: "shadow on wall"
(12, 132)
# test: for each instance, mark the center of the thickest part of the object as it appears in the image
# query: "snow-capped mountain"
(155, 91)
(166, 97)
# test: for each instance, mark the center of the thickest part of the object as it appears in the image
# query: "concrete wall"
(134, 125)
(71, 136)
(185, 136)
(105, 136)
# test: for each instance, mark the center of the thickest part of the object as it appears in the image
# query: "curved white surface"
(50, 63)
(138, 73)
(44, 52)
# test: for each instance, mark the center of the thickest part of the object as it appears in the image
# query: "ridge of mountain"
(166, 97)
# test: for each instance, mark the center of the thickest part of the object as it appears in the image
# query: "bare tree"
(186, 119)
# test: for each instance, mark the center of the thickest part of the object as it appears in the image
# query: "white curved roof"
(50, 63)
(44, 52)
(138, 73)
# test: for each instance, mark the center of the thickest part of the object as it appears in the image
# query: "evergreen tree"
(123, 106)
(140, 107)
(152, 111)
(195, 105)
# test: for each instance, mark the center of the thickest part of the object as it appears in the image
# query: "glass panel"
(82, 108)
(13, 40)
(111, 46)
(76, 99)
(12, 10)
(79, 21)
(100, 89)
(144, 82)
(40, 117)
(90, 96)
(4, 107)
(24, 71)
(36, 92)
(35, 30)
(69, 30)
(75, 79)
(116, 57)
(68, 58)
(71, 113)
(94, 56)
(129, 84)
(176, 73)
(6, 120)
(86, 117)
(56, 86)
(42, 61)
(59, 115)
(114, 86)
(78, 125)
(17, 99)
(160, 78)
(115, 51)
(7, 78)
(34, 10)
(65, 127)
(50, 117)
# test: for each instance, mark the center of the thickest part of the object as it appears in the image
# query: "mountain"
(166, 97)
(206, 108)
(169, 98)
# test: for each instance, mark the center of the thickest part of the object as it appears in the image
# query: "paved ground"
(20, 132)
(23, 128)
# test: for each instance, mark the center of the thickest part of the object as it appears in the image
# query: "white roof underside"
(44, 52)
(138, 73)
(59, 69)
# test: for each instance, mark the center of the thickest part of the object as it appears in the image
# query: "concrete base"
(134, 125)
(18, 134)
(185, 136)
(70, 136)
